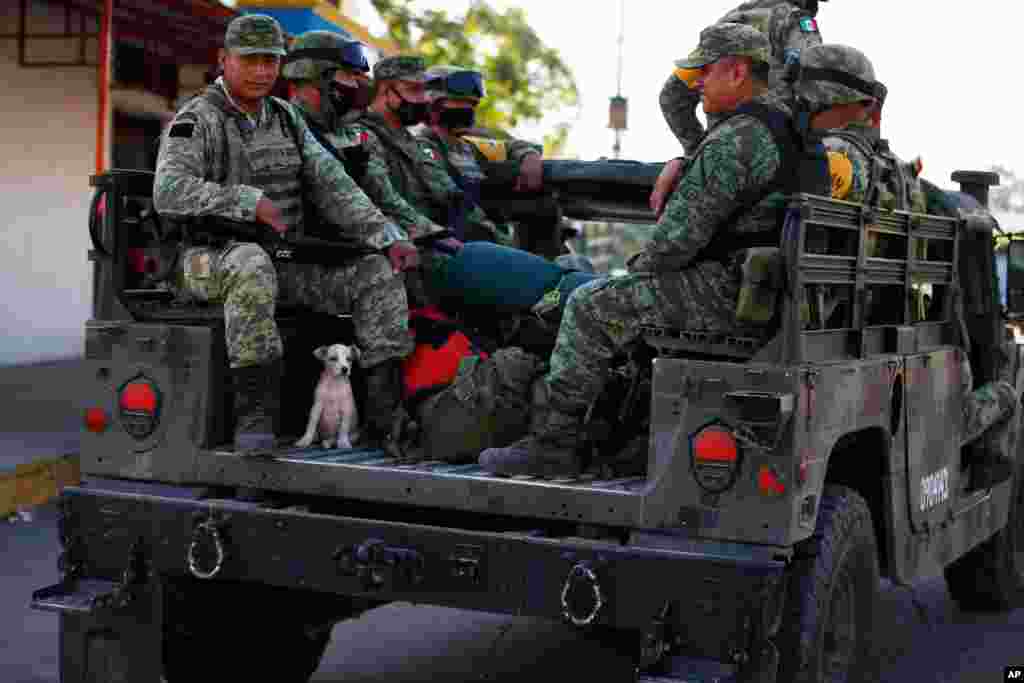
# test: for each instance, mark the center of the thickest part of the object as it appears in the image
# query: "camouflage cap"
(253, 34)
(728, 40)
(831, 75)
(401, 68)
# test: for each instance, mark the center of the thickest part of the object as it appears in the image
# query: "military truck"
(783, 471)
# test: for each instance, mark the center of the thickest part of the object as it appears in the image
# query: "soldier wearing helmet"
(328, 83)
(238, 153)
(454, 94)
(836, 85)
(790, 27)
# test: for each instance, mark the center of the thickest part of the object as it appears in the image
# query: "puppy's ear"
(320, 353)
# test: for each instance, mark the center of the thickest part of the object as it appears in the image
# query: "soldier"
(864, 170)
(327, 83)
(790, 28)
(416, 173)
(688, 275)
(454, 94)
(235, 152)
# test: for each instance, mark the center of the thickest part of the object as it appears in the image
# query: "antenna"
(617, 110)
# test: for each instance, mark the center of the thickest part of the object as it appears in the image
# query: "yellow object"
(37, 482)
(841, 170)
(493, 150)
(688, 76)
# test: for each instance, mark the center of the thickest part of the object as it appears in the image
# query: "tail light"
(716, 458)
(96, 420)
(139, 403)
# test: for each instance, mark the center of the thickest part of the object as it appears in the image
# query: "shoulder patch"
(808, 25)
(183, 129)
(429, 152)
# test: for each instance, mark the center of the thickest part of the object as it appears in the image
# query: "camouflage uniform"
(339, 129)
(217, 161)
(865, 171)
(412, 169)
(790, 27)
(670, 284)
(465, 157)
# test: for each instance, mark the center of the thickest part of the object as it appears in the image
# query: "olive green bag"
(759, 290)
(486, 406)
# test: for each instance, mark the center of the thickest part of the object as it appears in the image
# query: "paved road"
(404, 644)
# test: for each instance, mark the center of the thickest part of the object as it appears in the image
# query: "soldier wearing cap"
(688, 275)
(790, 26)
(454, 95)
(328, 84)
(235, 152)
(414, 170)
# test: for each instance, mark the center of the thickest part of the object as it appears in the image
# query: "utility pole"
(618, 107)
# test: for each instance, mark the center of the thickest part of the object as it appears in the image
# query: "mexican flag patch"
(808, 25)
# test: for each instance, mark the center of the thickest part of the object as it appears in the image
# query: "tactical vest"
(468, 177)
(889, 182)
(803, 168)
(355, 159)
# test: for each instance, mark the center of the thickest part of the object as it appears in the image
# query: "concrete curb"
(38, 482)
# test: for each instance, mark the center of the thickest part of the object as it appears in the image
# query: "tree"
(525, 78)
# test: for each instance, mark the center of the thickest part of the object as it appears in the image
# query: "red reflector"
(95, 420)
(768, 482)
(138, 396)
(716, 445)
(137, 259)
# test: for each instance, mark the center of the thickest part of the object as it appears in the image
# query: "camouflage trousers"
(243, 277)
(602, 317)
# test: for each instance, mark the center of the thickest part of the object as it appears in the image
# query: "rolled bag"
(505, 280)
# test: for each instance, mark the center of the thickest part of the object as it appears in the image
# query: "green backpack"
(486, 406)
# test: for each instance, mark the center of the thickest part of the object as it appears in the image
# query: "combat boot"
(257, 391)
(382, 412)
(549, 450)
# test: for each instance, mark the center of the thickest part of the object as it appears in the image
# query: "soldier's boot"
(382, 412)
(257, 392)
(550, 450)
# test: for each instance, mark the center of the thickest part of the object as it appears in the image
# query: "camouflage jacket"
(215, 160)
(735, 160)
(790, 29)
(415, 173)
(465, 161)
(858, 159)
(376, 184)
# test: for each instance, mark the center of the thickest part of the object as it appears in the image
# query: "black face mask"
(411, 113)
(456, 119)
(342, 98)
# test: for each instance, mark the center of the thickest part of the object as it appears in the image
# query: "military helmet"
(455, 82)
(252, 34)
(315, 52)
(831, 75)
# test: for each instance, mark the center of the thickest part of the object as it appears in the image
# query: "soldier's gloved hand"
(403, 256)
(665, 185)
(531, 174)
(268, 213)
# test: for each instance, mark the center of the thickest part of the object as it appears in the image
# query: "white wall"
(47, 144)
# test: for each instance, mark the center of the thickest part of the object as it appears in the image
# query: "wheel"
(991, 576)
(832, 596)
(232, 631)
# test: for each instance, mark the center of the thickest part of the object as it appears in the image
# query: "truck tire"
(828, 628)
(990, 578)
(235, 631)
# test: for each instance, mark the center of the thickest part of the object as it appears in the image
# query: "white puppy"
(333, 417)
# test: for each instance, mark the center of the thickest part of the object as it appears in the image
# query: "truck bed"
(370, 475)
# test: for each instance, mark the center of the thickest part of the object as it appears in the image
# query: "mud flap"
(105, 636)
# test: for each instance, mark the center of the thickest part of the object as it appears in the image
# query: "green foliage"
(525, 78)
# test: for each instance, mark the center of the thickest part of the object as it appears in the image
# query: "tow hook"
(377, 564)
(206, 550)
(582, 595)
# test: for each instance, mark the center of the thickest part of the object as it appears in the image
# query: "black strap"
(803, 168)
(870, 89)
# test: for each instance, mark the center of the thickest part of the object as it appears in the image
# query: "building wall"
(47, 142)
